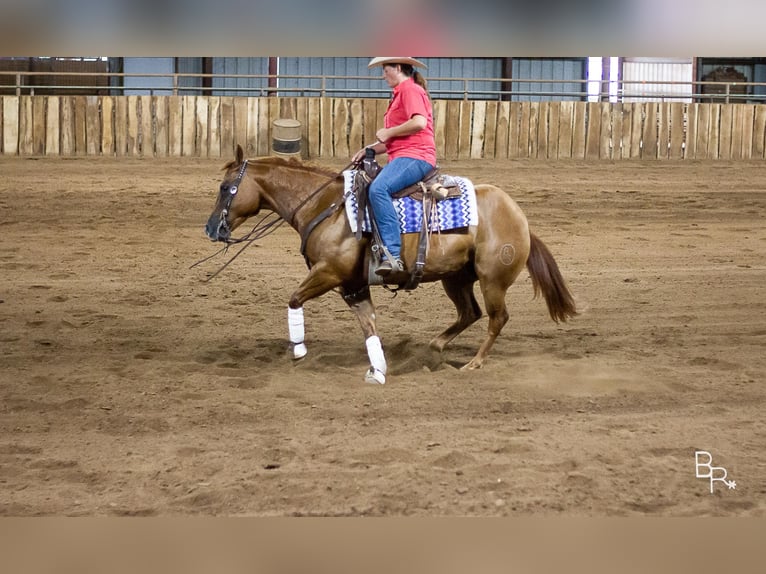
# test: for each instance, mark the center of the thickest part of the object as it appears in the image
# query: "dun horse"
(494, 252)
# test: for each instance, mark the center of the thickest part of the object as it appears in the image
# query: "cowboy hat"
(383, 60)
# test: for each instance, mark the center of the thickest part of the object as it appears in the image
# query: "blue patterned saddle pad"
(452, 213)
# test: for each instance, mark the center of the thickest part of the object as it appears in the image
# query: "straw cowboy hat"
(383, 60)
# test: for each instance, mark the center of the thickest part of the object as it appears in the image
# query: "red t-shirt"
(409, 100)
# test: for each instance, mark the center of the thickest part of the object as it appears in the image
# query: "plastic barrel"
(286, 138)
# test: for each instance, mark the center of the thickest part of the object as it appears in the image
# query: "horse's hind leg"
(460, 291)
(494, 300)
(360, 303)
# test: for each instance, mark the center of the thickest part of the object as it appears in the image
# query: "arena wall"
(212, 126)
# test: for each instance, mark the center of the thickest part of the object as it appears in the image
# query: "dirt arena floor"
(130, 386)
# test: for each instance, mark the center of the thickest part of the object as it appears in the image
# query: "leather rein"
(264, 227)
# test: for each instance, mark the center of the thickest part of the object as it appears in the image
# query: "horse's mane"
(290, 162)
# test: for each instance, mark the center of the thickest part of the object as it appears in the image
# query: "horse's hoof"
(471, 366)
(299, 351)
(375, 377)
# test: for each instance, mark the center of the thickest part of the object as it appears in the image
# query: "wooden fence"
(212, 126)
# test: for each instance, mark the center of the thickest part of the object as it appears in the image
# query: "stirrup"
(388, 266)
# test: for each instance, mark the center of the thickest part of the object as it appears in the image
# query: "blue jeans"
(395, 176)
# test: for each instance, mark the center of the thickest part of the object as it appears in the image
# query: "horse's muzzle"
(217, 229)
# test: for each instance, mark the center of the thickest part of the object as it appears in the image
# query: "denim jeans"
(395, 176)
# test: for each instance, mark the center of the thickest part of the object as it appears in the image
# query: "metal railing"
(18, 83)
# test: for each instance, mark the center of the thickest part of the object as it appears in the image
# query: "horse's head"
(238, 198)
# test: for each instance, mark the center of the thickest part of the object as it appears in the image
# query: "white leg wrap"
(296, 329)
(377, 372)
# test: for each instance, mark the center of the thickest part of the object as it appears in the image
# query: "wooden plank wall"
(211, 126)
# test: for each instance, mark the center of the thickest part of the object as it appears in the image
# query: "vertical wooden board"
(67, 125)
(490, 130)
(501, 131)
(748, 117)
(287, 108)
(265, 114)
(146, 127)
(189, 130)
(340, 127)
(302, 115)
(736, 131)
(26, 125)
(677, 130)
(80, 107)
(534, 122)
(649, 135)
(313, 133)
(52, 126)
(690, 139)
(564, 146)
(93, 125)
(616, 137)
(554, 115)
(478, 124)
(579, 130)
(369, 125)
(627, 126)
(253, 129)
(464, 139)
(514, 129)
(239, 126)
(10, 125)
(524, 122)
(175, 126)
(440, 119)
(215, 128)
(39, 103)
(663, 129)
(637, 130)
(759, 132)
(326, 121)
(161, 141)
(356, 127)
(381, 107)
(226, 127)
(107, 126)
(714, 134)
(703, 131)
(452, 130)
(605, 135)
(202, 141)
(274, 111)
(120, 125)
(542, 130)
(593, 137)
(724, 131)
(133, 130)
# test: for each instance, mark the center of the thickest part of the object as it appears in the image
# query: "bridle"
(264, 227)
(222, 223)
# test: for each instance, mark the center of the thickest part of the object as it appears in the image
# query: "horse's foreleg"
(361, 304)
(319, 281)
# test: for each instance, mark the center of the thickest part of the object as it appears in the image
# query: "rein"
(313, 193)
(263, 227)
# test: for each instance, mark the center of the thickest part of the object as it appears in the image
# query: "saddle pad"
(453, 213)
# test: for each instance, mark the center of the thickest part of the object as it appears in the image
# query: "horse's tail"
(546, 278)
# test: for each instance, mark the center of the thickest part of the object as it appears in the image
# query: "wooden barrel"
(286, 138)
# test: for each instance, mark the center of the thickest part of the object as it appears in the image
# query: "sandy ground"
(129, 386)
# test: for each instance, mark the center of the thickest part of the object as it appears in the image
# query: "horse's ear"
(240, 154)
